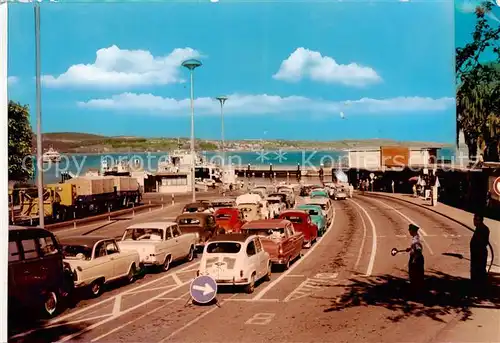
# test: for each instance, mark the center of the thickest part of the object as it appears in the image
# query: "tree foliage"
(478, 92)
(20, 143)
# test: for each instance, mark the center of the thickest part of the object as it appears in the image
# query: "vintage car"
(229, 218)
(319, 193)
(96, 261)
(276, 205)
(224, 202)
(201, 224)
(302, 222)
(285, 199)
(279, 238)
(236, 259)
(317, 216)
(38, 280)
(288, 190)
(159, 243)
(198, 207)
(340, 193)
(326, 206)
(253, 206)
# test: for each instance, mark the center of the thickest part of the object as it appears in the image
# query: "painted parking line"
(312, 286)
(297, 263)
(411, 221)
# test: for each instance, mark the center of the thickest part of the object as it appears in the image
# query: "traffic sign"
(496, 186)
(203, 289)
(372, 175)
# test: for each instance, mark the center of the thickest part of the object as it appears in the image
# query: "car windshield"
(313, 212)
(222, 204)
(224, 248)
(189, 221)
(223, 216)
(141, 234)
(269, 232)
(77, 252)
(294, 219)
(273, 201)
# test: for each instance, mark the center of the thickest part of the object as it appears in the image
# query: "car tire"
(190, 255)
(131, 273)
(250, 288)
(50, 304)
(96, 288)
(166, 264)
(286, 266)
(269, 272)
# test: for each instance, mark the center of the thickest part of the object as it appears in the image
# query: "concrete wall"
(419, 157)
(367, 159)
(173, 189)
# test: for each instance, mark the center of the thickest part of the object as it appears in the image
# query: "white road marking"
(203, 315)
(252, 300)
(93, 326)
(118, 328)
(295, 276)
(176, 279)
(150, 289)
(360, 253)
(410, 221)
(56, 320)
(261, 319)
(326, 276)
(309, 286)
(369, 269)
(118, 305)
(296, 264)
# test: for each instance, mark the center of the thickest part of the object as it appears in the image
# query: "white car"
(339, 193)
(159, 243)
(96, 261)
(236, 259)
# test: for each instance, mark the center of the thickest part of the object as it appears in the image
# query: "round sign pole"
(496, 186)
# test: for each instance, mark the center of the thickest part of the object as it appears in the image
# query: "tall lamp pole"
(222, 100)
(192, 64)
(39, 159)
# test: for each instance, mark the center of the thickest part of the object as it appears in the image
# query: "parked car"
(201, 224)
(279, 238)
(288, 190)
(318, 193)
(326, 207)
(276, 205)
(236, 259)
(159, 243)
(285, 199)
(317, 217)
(96, 261)
(224, 202)
(37, 277)
(302, 222)
(229, 218)
(197, 207)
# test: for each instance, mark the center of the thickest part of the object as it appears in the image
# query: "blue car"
(317, 217)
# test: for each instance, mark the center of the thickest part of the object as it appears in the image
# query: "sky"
(290, 70)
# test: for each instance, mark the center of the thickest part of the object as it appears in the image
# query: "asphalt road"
(346, 288)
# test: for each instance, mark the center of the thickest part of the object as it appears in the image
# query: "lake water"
(79, 164)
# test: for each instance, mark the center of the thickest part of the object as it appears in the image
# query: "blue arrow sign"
(203, 289)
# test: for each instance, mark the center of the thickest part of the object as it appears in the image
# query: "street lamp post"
(222, 100)
(192, 64)
(39, 158)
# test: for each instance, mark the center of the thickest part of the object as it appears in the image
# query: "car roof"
(198, 215)
(307, 206)
(87, 241)
(273, 198)
(294, 211)
(197, 204)
(317, 200)
(230, 237)
(255, 224)
(152, 225)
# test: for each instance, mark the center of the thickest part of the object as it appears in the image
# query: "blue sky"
(289, 69)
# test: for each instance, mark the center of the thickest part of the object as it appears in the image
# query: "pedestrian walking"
(416, 261)
(479, 251)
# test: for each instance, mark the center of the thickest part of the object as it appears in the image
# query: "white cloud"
(266, 104)
(117, 68)
(12, 80)
(304, 63)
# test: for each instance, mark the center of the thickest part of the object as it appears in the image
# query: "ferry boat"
(51, 156)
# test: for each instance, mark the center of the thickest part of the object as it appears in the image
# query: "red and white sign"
(496, 186)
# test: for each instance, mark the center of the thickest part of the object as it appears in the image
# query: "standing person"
(416, 261)
(479, 251)
(321, 173)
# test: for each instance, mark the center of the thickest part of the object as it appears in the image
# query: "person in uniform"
(479, 251)
(416, 261)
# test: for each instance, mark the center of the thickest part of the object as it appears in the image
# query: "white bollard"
(133, 209)
(150, 206)
(173, 199)
(109, 214)
(74, 220)
(162, 203)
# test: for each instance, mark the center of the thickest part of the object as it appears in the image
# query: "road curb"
(424, 207)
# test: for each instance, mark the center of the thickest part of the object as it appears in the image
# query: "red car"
(302, 222)
(230, 219)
